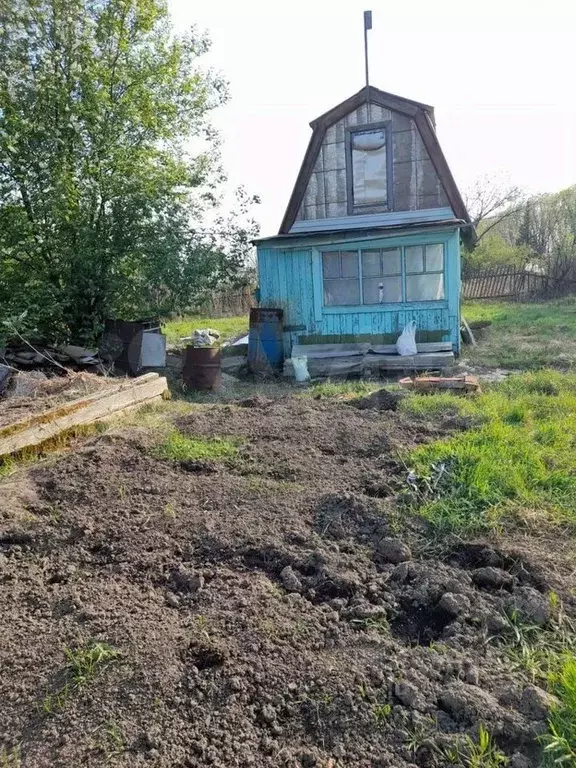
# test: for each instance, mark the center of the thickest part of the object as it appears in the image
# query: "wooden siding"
(290, 278)
(416, 185)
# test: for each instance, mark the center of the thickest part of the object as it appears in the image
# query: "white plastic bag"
(406, 344)
(300, 363)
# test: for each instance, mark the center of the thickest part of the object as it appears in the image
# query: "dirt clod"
(409, 695)
(531, 605)
(454, 604)
(381, 400)
(393, 551)
(492, 577)
(536, 703)
(467, 703)
(290, 580)
(184, 580)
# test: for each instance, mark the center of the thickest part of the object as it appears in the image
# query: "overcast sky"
(500, 73)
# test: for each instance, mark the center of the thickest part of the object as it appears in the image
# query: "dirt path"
(273, 610)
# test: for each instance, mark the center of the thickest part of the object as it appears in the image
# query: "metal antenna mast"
(367, 26)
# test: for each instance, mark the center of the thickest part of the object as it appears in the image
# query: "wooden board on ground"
(467, 333)
(321, 351)
(464, 383)
(45, 425)
(318, 351)
(432, 346)
(333, 366)
(423, 361)
(361, 364)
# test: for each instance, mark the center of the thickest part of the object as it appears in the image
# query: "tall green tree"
(101, 195)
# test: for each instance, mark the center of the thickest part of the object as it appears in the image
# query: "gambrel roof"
(423, 117)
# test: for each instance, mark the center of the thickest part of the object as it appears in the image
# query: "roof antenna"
(367, 26)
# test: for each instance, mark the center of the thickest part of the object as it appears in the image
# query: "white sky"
(497, 72)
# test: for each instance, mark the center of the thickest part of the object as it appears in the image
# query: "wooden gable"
(420, 177)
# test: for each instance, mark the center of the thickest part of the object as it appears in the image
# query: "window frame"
(353, 209)
(383, 246)
(424, 271)
(356, 279)
(381, 277)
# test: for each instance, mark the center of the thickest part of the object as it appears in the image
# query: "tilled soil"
(274, 610)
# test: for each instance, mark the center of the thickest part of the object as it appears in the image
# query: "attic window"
(368, 168)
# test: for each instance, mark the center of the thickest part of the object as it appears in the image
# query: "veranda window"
(383, 275)
(424, 272)
(341, 280)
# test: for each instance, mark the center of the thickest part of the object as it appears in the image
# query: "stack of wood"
(68, 355)
(36, 425)
(465, 383)
(367, 359)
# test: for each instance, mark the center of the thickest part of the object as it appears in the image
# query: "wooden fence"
(503, 282)
(227, 303)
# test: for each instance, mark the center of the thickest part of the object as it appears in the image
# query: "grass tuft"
(178, 447)
(84, 664)
(559, 743)
(381, 713)
(477, 753)
(541, 651)
(10, 758)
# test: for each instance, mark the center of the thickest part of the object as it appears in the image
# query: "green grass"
(541, 650)
(524, 336)
(548, 654)
(84, 664)
(178, 447)
(381, 713)
(229, 327)
(517, 461)
(559, 743)
(477, 753)
(342, 390)
(10, 758)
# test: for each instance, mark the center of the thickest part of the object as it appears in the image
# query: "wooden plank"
(422, 336)
(424, 361)
(432, 383)
(334, 366)
(63, 409)
(318, 351)
(390, 349)
(340, 366)
(44, 426)
(467, 333)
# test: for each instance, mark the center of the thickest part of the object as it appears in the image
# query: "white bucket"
(300, 363)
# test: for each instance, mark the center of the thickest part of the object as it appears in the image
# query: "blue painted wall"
(290, 277)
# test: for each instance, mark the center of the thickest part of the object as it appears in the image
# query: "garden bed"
(243, 587)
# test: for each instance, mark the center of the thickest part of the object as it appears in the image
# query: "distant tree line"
(110, 171)
(537, 232)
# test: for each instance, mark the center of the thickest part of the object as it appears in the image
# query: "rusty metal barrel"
(265, 344)
(202, 367)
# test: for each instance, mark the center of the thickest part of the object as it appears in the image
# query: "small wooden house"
(371, 236)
